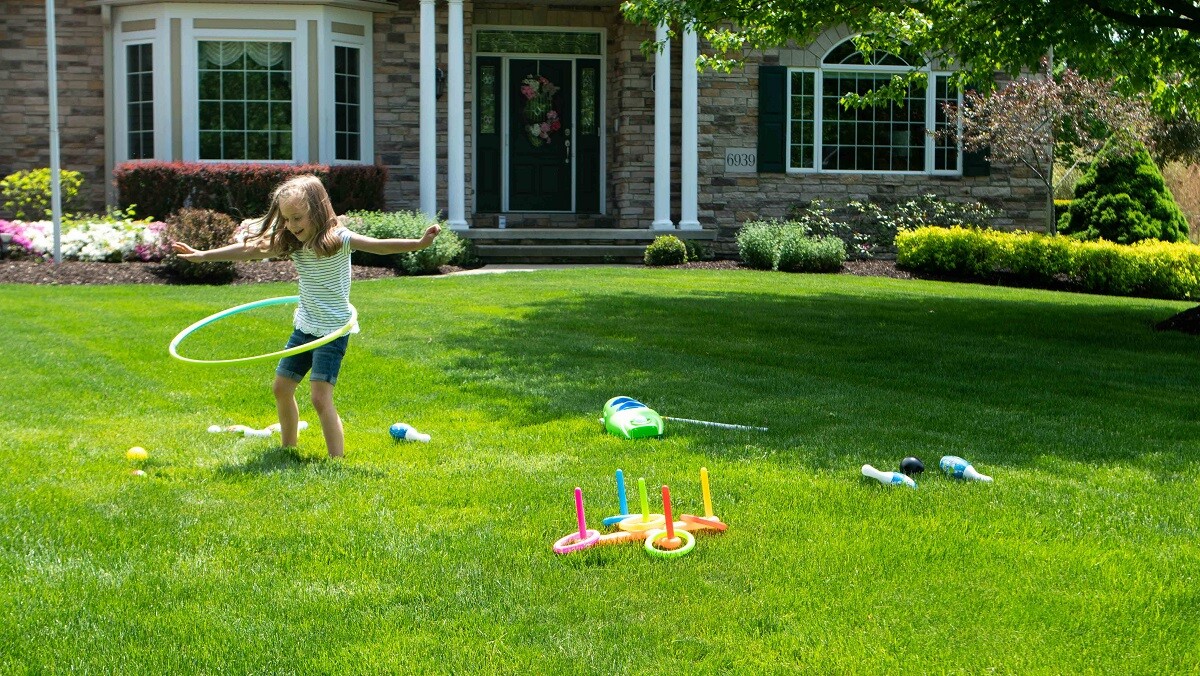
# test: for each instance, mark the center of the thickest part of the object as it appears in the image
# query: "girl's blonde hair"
(308, 189)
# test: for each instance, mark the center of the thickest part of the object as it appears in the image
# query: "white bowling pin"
(961, 469)
(888, 477)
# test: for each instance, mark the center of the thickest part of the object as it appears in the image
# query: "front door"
(541, 107)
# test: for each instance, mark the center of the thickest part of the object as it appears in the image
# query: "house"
(626, 148)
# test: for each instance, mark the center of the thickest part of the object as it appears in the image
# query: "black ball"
(910, 466)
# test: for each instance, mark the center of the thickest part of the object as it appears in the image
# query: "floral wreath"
(540, 116)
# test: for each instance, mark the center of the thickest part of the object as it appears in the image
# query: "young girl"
(301, 224)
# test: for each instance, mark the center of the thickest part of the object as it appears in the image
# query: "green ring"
(282, 300)
(688, 543)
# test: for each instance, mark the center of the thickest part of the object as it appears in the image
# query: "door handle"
(567, 145)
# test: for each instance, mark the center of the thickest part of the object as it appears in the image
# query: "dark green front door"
(540, 133)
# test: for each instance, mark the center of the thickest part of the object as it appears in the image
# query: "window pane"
(245, 96)
(139, 105)
(347, 111)
(803, 121)
(875, 138)
(487, 100)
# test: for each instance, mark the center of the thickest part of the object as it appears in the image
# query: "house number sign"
(741, 160)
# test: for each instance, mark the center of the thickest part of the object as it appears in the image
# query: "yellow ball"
(137, 453)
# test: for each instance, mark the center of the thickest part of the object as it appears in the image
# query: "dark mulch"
(75, 272)
(1187, 321)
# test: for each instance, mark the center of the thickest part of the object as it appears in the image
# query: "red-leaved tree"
(1035, 120)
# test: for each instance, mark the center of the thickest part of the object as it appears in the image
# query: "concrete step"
(581, 234)
(528, 253)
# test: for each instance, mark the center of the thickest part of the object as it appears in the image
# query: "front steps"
(569, 245)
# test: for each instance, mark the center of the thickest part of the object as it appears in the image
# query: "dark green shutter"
(772, 118)
(976, 163)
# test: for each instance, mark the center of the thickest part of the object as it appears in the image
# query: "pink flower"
(528, 92)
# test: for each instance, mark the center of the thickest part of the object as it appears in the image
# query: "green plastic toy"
(631, 419)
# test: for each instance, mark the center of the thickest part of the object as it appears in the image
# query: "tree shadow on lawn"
(849, 378)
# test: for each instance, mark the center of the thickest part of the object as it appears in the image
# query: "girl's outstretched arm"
(391, 246)
(240, 251)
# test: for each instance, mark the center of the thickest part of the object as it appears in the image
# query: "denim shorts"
(325, 361)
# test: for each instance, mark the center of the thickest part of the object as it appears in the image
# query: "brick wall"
(25, 113)
(727, 118)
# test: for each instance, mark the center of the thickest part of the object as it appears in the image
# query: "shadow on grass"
(274, 459)
(841, 377)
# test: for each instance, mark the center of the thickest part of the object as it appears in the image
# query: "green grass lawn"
(232, 555)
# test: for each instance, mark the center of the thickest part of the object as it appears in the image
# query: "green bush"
(697, 250)
(405, 225)
(666, 250)
(27, 193)
(759, 242)
(202, 229)
(1147, 268)
(1122, 198)
(801, 253)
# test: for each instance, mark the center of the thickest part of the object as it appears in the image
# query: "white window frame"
(818, 117)
(329, 41)
(158, 41)
(164, 113)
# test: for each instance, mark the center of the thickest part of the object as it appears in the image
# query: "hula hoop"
(572, 542)
(688, 543)
(282, 300)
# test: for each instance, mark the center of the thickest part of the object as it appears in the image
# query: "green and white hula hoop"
(282, 300)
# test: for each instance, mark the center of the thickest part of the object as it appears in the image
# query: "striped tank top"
(324, 289)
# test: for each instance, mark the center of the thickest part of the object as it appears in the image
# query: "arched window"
(824, 135)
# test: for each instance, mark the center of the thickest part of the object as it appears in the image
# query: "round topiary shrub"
(202, 229)
(1122, 198)
(666, 250)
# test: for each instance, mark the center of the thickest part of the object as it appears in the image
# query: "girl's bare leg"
(331, 424)
(289, 413)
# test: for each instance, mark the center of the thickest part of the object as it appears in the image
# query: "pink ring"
(571, 542)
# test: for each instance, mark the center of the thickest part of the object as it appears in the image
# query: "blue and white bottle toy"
(961, 469)
(404, 432)
(890, 478)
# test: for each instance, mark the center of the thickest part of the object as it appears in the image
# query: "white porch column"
(428, 119)
(688, 136)
(662, 133)
(455, 145)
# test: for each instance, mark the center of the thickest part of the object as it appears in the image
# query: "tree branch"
(1178, 20)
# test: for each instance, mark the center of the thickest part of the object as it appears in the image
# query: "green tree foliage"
(1150, 46)
(1122, 198)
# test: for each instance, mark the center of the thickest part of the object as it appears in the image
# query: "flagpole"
(55, 180)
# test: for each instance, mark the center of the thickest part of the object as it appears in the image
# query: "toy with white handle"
(251, 432)
(890, 478)
(961, 469)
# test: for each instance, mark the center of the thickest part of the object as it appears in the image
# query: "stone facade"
(25, 113)
(728, 116)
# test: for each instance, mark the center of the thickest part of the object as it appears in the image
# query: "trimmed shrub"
(405, 225)
(202, 229)
(1146, 268)
(162, 188)
(666, 250)
(801, 253)
(759, 242)
(27, 193)
(1122, 198)
(697, 250)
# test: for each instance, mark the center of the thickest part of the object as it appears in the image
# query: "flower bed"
(112, 238)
